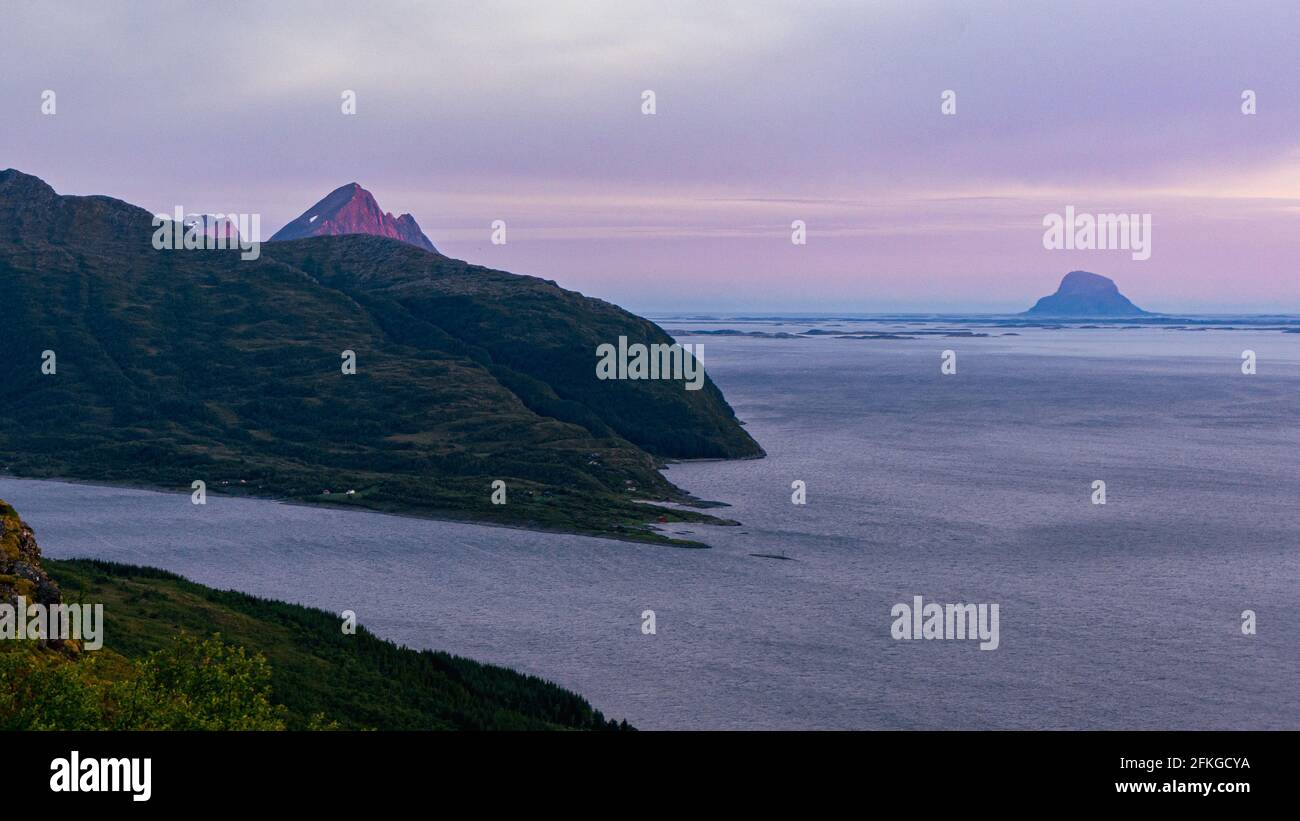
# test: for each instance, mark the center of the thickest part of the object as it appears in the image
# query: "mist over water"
(973, 488)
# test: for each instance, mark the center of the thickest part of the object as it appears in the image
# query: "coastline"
(649, 536)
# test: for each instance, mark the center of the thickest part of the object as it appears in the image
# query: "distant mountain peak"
(212, 225)
(1084, 294)
(351, 209)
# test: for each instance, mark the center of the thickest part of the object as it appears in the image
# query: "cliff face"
(21, 573)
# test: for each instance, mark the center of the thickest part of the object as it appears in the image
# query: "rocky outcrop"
(21, 573)
(23, 577)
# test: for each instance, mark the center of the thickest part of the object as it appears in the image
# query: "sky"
(765, 113)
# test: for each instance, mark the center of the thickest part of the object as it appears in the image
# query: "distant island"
(1082, 295)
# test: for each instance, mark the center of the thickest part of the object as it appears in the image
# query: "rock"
(21, 573)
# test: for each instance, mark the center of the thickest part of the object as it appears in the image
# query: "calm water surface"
(967, 488)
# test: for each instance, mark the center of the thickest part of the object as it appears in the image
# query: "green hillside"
(273, 665)
(176, 366)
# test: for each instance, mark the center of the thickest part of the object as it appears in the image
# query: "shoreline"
(662, 541)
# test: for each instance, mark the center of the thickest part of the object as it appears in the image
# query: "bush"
(193, 684)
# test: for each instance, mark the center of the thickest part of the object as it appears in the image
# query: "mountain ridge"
(184, 365)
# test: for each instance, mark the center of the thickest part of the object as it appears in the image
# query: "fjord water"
(974, 487)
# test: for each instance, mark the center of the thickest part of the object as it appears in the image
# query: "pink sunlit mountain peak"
(351, 209)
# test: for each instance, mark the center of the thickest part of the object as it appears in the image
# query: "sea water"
(973, 487)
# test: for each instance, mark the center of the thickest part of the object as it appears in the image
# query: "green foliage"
(199, 685)
(192, 684)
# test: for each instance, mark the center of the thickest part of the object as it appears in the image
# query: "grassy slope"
(176, 366)
(358, 681)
